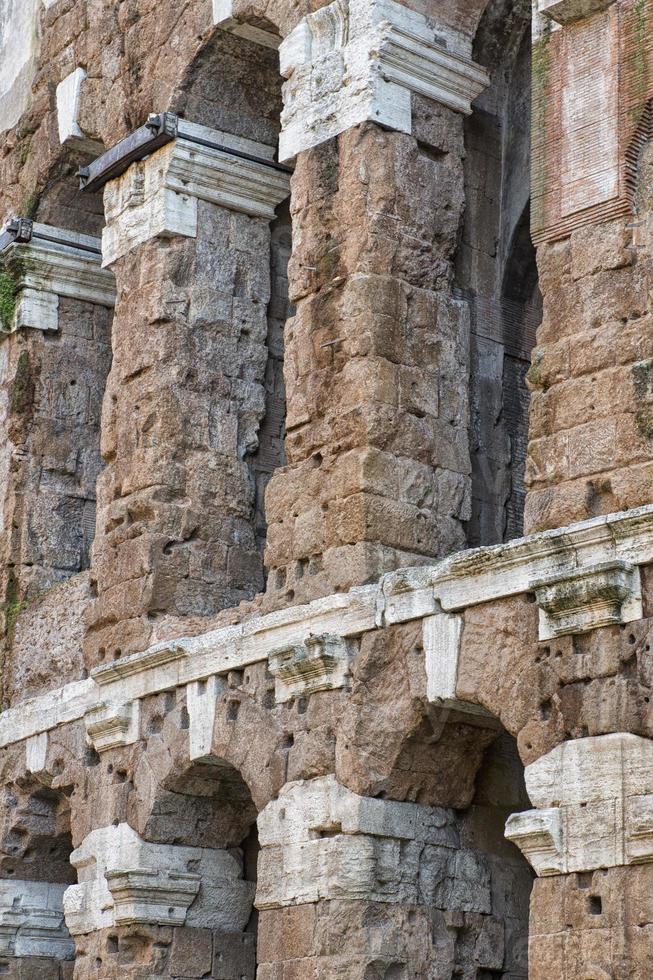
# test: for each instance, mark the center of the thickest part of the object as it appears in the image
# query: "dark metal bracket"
(17, 231)
(160, 129)
(157, 132)
(22, 231)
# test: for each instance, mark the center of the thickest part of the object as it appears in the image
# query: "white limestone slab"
(354, 61)
(595, 806)
(69, 100)
(157, 197)
(223, 17)
(124, 880)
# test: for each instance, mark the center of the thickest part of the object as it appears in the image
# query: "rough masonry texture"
(326, 483)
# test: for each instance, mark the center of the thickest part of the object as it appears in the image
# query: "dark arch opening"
(497, 274)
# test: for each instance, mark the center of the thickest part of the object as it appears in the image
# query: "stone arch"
(35, 871)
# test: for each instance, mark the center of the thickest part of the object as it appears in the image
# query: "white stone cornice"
(158, 197)
(595, 806)
(32, 920)
(355, 61)
(55, 263)
(447, 587)
(124, 880)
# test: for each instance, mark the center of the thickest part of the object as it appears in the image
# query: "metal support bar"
(157, 132)
(22, 231)
(18, 230)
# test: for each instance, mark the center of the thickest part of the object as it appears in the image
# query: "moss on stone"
(8, 291)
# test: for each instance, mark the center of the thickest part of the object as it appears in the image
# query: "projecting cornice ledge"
(583, 576)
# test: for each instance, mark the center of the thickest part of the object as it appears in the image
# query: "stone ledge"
(568, 11)
(54, 264)
(449, 586)
(595, 806)
(158, 197)
(360, 60)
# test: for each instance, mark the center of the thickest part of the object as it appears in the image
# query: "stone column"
(590, 449)
(55, 315)
(177, 911)
(590, 841)
(188, 238)
(355, 886)
(376, 360)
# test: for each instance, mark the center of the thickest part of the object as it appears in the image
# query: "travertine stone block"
(158, 197)
(54, 264)
(320, 663)
(69, 97)
(595, 806)
(603, 595)
(111, 725)
(321, 841)
(201, 702)
(125, 880)
(32, 920)
(355, 61)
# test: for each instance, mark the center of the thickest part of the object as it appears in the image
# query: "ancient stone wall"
(268, 293)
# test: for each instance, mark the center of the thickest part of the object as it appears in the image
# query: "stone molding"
(355, 61)
(158, 197)
(69, 99)
(568, 11)
(54, 263)
(595, 806)
(32, 920)
(111, 726)
(321, 841)
(224, 18)
(450, 586)
(606, 595)
(320, 663)
(124, 880)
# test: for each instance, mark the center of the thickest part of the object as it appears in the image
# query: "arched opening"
(35, 870)
(496, 273)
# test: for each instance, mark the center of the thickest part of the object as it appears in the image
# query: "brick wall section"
(376, 361)
(590, 449)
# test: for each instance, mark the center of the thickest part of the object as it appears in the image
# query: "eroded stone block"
(595, 806)
(356, 60)
(567, 11)
(69, 97)
(124, 879)
(320, 663)
(112, 725)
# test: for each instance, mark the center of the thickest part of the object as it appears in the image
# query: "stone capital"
(594, 799)
(125, 880)
(320, 841)
(320, 663)
(112, 725)
(47, 264)
(355, 61)
(158, 197)
(605, 594)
